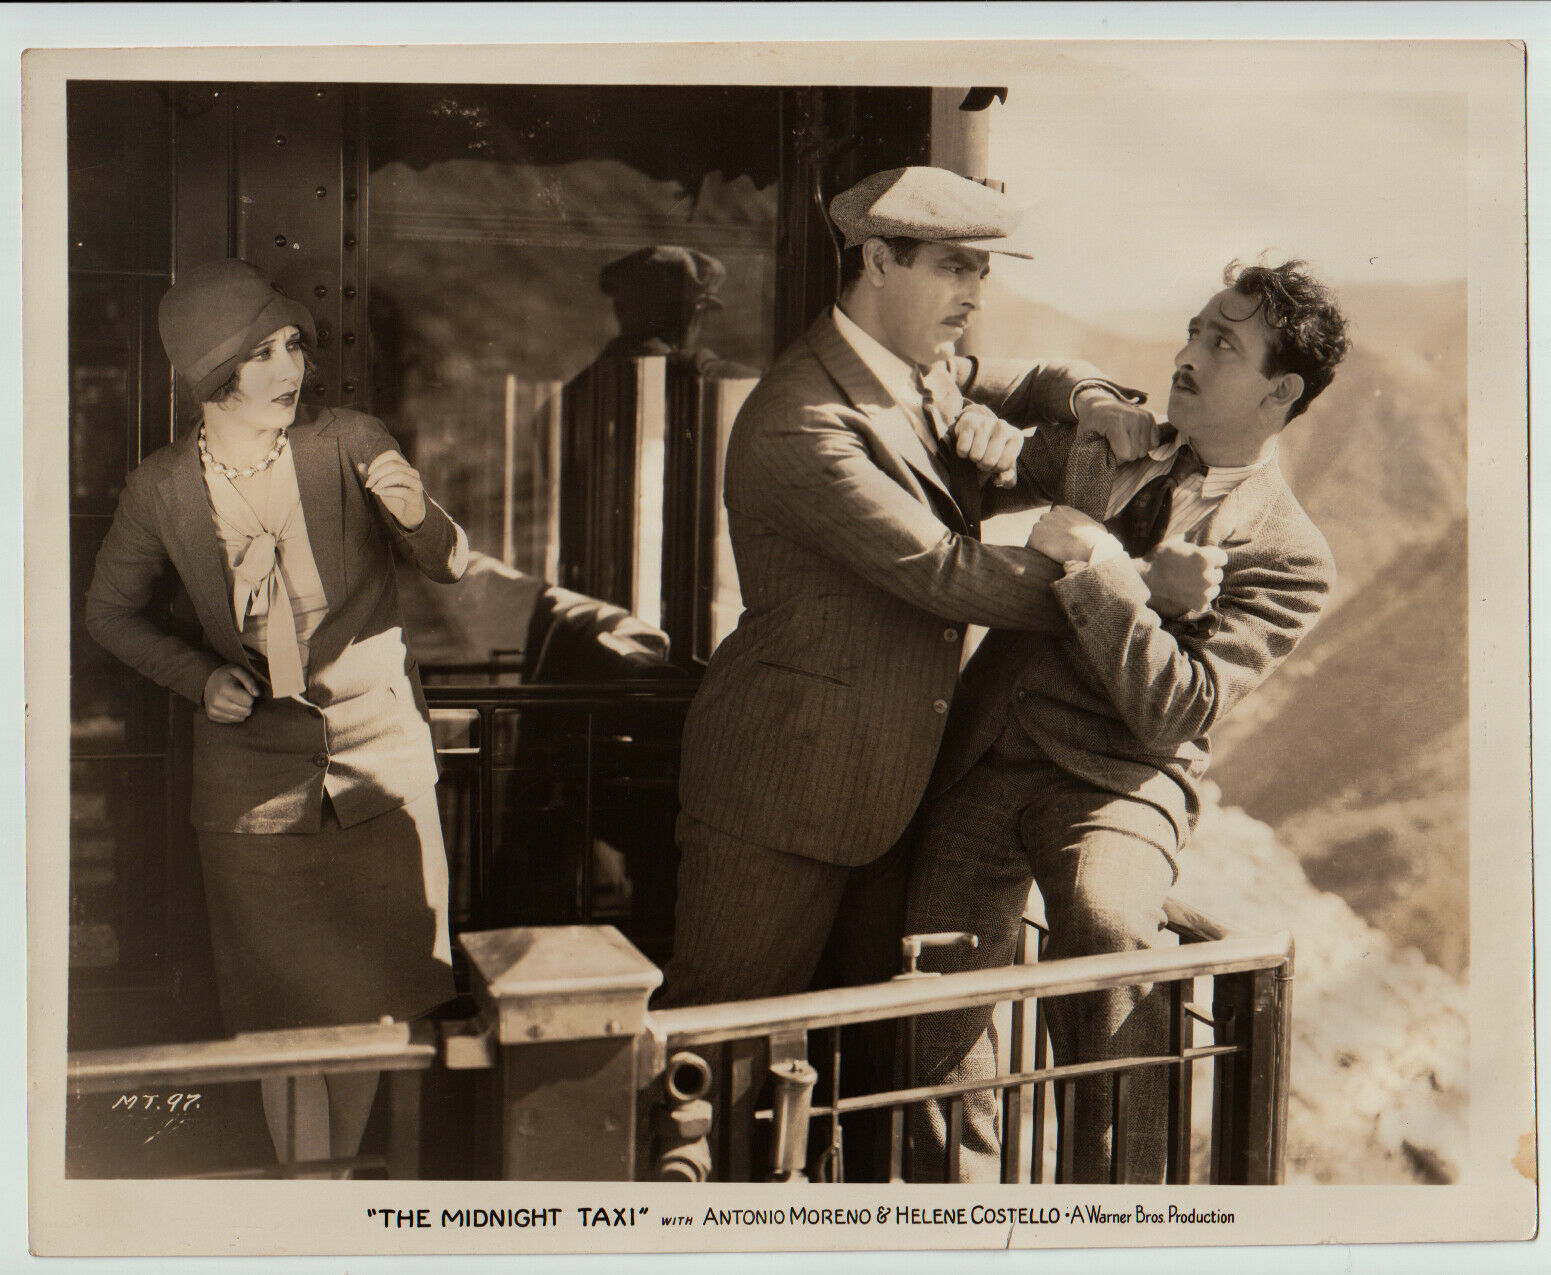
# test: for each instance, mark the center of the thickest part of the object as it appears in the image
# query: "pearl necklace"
(221, 467)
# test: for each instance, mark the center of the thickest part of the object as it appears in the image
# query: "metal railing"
(401, 1051)
(587, 1084)
(739, 1076)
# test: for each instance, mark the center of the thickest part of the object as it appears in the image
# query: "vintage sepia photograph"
(826, 648)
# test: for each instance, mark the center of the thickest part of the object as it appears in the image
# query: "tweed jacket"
(360, 731)
(815, 727)
(1126, 700)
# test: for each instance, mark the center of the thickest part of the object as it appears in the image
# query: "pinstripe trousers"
(1104, 865)
(751, 921)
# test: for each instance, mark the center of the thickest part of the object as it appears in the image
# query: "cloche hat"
(215, 313)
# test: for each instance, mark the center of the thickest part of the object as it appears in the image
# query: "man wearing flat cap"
(662, 296)
(856, 480)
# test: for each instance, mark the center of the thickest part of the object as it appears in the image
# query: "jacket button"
(950, 635)
(939, 706)
(320, 760)
(1022, 694)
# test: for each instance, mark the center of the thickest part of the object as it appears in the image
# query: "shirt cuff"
(1103, 551)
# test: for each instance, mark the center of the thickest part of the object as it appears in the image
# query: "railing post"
(1283, 1087)
(567, 1004)
(1252, 1094)
(1262, 1068)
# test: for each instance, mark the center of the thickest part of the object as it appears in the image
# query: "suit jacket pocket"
(793, 671)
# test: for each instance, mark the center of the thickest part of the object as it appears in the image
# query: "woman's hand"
(395, 482)
(229, 694)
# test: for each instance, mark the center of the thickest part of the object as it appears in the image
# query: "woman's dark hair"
(902, 247)
(1308, 330)
(189, 411)
(228, 387)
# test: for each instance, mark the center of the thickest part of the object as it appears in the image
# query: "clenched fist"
(1130, 429)
(229, 694)
(1183, 578)
(984, 437)
(1064, 535)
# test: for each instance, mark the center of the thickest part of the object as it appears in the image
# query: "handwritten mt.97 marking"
(176, 1103)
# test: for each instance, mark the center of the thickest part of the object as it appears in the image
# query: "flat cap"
(932, 204)
(688, 270)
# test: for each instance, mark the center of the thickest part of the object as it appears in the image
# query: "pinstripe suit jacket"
(816, 725)
(1125, 700)
(363, 731)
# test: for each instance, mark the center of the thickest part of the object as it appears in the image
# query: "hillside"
(1380, 1037)
(1377, 807)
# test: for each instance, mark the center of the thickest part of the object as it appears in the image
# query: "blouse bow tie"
(258, 589)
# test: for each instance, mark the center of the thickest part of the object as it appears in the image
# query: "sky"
(1145, 171)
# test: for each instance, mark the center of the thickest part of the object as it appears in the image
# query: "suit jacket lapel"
(868, 395)
(1240, 507)
(205, 578)
(315, 452)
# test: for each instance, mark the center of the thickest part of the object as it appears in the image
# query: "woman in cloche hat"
(314, 777)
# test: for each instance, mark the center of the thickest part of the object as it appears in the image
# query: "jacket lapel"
(315, 453)
(868, 396)
(1240, 508)
(205, 577)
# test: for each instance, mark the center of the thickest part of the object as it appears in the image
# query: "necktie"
(1142, 523)
(941, 404)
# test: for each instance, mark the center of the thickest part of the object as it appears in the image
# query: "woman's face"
(269, 382)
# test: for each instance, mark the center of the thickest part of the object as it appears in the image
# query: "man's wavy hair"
(902, 247)
(1308, 330)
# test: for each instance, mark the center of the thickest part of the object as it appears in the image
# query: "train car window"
(571, 289)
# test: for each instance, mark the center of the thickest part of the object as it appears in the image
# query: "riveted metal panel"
(296, 215)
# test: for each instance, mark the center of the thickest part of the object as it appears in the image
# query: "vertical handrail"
(1017, 1060)
(1066, 1122)
(289, 1159)
(484, 846)
(1037, 1133)
(1283, 1088)
(1120, 1127)
(587, 838)
(955, 1138)
(1181, 1080)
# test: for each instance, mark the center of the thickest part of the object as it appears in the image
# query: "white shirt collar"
(897, 376)
(1218, 480)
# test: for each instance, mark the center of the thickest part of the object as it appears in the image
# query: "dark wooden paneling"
(118, 162)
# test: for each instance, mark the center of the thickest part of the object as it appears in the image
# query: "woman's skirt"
(340, 926)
